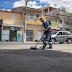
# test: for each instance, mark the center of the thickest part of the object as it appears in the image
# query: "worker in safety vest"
(47, 32)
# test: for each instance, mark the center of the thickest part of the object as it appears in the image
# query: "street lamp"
(25, 19)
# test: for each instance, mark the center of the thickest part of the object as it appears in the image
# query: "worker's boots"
(42, 47)
(49, 47)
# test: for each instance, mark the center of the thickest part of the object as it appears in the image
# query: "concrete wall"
(6, 16)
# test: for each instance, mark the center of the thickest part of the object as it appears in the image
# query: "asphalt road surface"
(35, 61)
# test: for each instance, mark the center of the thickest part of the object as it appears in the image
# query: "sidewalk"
(16, 46)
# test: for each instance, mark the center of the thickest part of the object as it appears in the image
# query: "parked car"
(61, 37)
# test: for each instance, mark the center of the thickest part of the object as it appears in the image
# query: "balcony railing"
(54, 24)
(33, 18)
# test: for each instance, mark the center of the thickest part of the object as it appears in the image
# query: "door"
(0, 31)
(29, 35)
(59, 37)
(65, 36)
(39, 35)
(13, 35)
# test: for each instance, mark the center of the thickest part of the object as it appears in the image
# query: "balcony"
(33, 20)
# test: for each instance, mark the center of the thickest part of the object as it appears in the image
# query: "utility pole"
(25, 19)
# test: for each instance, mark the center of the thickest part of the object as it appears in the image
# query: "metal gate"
(29, 35)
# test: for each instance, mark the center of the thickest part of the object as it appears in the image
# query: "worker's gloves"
(43, 30)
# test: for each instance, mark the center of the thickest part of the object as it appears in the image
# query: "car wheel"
(53, 41)
(60, 42)
(69, 41)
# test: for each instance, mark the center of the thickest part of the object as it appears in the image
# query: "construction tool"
(35, 47)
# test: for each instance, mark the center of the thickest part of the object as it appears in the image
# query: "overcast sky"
(9, 4)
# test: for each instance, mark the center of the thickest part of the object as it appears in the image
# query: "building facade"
(65, 21)
(34, 29)
(34, 26)
(12, 24)
(11, 27)
(59, 18)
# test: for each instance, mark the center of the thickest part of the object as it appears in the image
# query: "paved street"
(16, 58)
(35, 61)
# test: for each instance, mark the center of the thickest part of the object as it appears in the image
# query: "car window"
(66, 33)
(60, 33)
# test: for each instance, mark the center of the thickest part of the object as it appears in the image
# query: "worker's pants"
(47, 40)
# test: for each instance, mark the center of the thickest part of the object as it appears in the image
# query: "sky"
(10, 4)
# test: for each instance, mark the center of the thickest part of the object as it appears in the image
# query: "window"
(60, 33)
(13, 17)
(37, 15)
(61, 21)
(31, 16)
(67, 23)
(66, 33)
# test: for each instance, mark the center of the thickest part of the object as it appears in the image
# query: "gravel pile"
(35, 61)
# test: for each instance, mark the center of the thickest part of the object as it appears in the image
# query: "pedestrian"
(47, 27)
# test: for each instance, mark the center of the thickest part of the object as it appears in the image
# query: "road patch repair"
(27, 60)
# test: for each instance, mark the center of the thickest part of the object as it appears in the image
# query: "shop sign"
(11, 28)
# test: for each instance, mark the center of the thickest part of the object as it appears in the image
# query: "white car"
(61, 37)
